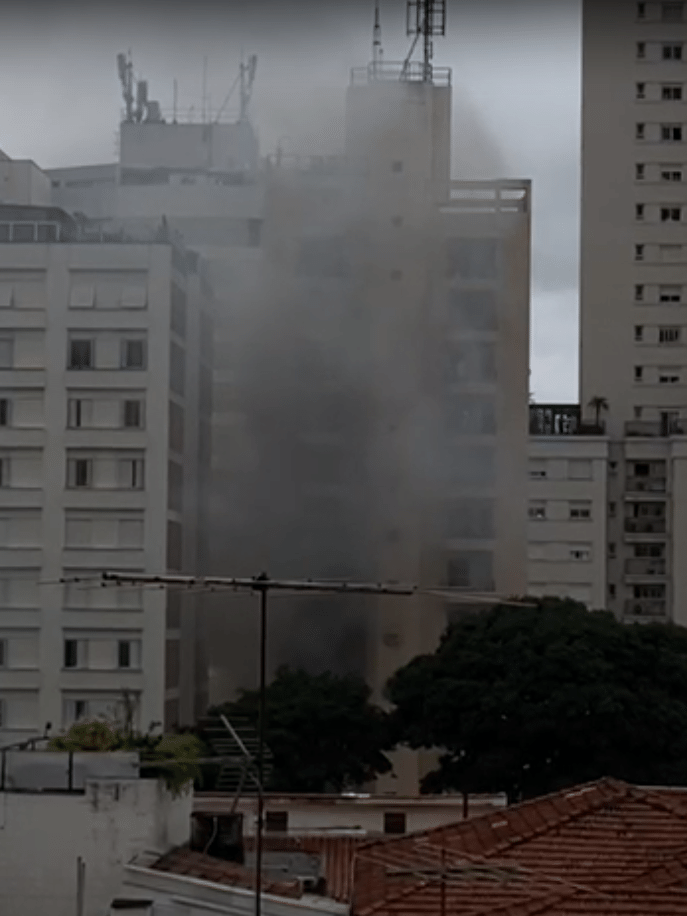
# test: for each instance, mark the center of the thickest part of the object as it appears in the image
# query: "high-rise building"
(634, 291)
(104, 389)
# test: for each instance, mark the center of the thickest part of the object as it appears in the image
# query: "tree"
(529, 699)
(323, 732)
(598, 405)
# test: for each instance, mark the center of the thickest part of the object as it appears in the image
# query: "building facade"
(634, 289)
(103, 394)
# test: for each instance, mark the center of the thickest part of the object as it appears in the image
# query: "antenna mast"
(125, 69)
(376, 41)
(426, 18)
(247, 74)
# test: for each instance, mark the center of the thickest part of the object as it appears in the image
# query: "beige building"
(103, 395)
(634, 290)
(567, 490)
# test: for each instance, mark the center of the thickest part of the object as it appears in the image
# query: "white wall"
(42, 835)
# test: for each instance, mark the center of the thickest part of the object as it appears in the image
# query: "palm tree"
(598, 404)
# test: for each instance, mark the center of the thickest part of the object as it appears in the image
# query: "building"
(606, 848)
(300, 816)
(55, 839)
(633, 291)
(104, 393)
(567, 490)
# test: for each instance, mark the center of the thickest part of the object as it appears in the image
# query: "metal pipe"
(261, 749)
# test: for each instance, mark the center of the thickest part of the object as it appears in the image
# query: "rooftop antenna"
(376, 41)
(125, 69)
(426, 18)
(247, 75)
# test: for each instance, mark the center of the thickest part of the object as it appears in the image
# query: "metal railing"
(400, 71)
(638, 566)
(645, 526)
(646, 484)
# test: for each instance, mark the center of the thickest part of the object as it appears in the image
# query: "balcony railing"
(639, 566)
(646, 484)
(645, 525)
(645, 607)
(652, 429)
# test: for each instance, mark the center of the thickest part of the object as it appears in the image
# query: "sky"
(516, 79)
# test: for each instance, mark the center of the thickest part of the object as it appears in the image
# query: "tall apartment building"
(634, 291)
(104, 389)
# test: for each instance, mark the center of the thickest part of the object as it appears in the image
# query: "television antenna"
(426, 18)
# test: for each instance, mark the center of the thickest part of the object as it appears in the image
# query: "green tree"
(323, 732)
(530, 699)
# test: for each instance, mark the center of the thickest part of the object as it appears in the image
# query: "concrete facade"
(633, 290)
(104, 394)
(43, 835)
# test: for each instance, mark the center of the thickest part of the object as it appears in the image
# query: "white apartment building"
(104, 394)
(567, 491)
(634, 291)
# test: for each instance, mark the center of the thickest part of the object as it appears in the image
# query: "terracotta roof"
(337, 855)
(184, 861)
(606, 848)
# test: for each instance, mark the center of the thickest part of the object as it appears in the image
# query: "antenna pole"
(174, 104)
(376, 41)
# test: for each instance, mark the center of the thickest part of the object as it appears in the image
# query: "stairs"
(237, 773)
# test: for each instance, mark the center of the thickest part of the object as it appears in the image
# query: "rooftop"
(562, 420)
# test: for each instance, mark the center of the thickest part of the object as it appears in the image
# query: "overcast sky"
(516, 100)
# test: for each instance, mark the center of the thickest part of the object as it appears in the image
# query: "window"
(6, 352)
(672, 51)
(580, 511)
(639, 131)
(611, 550)
(3, 653)
(132, 414)
(580, 554)
(128, 653)
(472, 259)
(669, 335)
(133, 354)
(276, 821)
(611, 591)
(4, 412)
(537, 469)
(639, 333)
(611, 510)
(579, 469)
(80, 354)
(639, 373)
(671, 92)
(131, 473)
(537, 511)
(639, 252)
(397, 166)
(79, 472)
(669, 376)
(79, 413)
(75, 653)
(640, 90)
(671, 173)
(639, 293)
(672, 12)
(639, 171)
(639, 211)
(670, 294)
(394, 822)
(641, 11)
(641, 50)
(4, 472)
(670, 214)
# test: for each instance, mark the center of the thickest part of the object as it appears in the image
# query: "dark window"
(133, 414)
(276, 821)
(639, 211)
(641, 49)
(80, 709)
(178, 310)
(80, 354)
(671, 93)
(639, 171)
(176, 427)
(71, 653)
(641, 10)
(394, 822)
(175, 486)
(174, 546)
(639, 131)
(471, 569)
(123, 654)
(133, 354)
(672, 52)
(671, 133)
(3, 653)
(80, 472)
(4, 412)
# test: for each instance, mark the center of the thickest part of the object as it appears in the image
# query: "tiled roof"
(606, 848)
(184, 861)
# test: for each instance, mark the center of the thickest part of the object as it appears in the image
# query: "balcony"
(652, 429)
(645, 607)
(644, 568)
(646, 485)
(645, 526)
